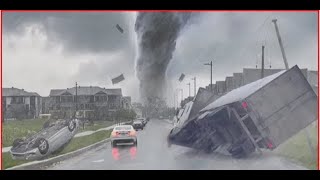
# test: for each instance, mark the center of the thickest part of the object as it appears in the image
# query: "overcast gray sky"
(43, 51)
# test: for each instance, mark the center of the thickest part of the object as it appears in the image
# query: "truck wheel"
(17, 142)
(42, 144)
(210, 149)
(238, 152)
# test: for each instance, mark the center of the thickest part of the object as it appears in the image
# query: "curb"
(37, 165)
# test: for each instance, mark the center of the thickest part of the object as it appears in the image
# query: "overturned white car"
(52, 138)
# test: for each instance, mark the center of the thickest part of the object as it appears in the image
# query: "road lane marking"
(98, 161)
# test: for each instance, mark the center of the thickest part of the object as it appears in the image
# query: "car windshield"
(123, 128)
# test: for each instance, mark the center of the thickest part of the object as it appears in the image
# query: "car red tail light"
(114, 134)
(244, 105)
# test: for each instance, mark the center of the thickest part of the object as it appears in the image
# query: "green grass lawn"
(20, 128)
(8, 162)
(297, 148)
(75, 143)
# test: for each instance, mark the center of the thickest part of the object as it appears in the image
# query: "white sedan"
(123, 134)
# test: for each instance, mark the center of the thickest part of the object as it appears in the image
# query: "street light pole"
(210, 64)
(195, 86)
(181, 94)
(174, 100)
(189, 88)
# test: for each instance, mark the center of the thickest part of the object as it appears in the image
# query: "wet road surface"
(152, 152)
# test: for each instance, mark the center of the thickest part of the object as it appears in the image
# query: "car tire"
(42, 144)
(71, 125)
(238, 152)
(135, 143)
(17, 142)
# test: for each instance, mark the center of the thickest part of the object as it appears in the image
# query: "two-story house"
(99, 102)
(20, 104)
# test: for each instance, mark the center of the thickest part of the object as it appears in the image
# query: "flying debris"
(118, 79)
(181, 77)
(119, 28)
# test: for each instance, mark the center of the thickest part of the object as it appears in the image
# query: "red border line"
(1, 12)
(140, 10)
(318, 93)
(1, 88)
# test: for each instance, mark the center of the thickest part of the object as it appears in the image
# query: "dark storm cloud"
(78, 32)
(233, 41)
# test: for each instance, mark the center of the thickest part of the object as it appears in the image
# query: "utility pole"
(195, 86)
(189, 88)
(280, 43)
(262, 64)
(76, 97)
(179, 90)
(174, 100)
(210, 64)
(181, 94)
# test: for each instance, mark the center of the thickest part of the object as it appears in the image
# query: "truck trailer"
(259, 115)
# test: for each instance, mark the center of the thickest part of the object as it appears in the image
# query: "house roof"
(86, 90)
(17, 92)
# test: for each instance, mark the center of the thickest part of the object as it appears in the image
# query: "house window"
(17, 100)
(91, 99)
(112, 98)
(101, 98)
(66, 99)
(57, 99)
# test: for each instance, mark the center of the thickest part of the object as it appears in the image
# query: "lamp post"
(195, 86)
(210, 64)
(189, 88)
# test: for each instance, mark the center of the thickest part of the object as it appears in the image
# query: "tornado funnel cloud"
(156, 36)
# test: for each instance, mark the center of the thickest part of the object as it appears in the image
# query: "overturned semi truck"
(259, 115)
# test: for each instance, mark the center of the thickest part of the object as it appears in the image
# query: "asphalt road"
(152, 152)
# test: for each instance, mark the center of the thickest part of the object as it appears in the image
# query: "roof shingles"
(17, 92)
(86, 90)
